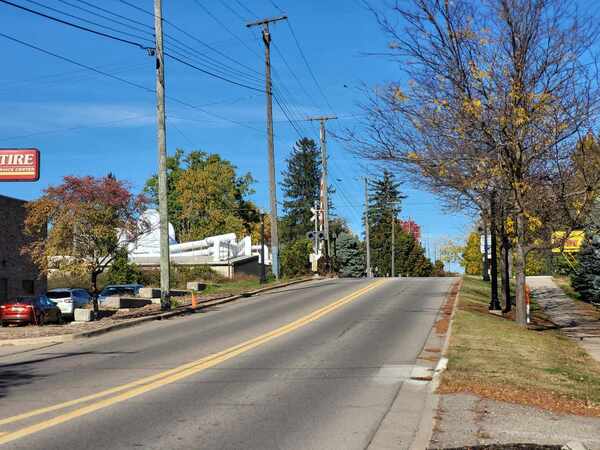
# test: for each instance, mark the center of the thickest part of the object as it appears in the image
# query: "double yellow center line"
(127, 391)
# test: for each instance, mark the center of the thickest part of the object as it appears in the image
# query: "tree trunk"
(94, 287)
(519, 265)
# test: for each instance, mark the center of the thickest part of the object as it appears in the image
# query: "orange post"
(194, 300)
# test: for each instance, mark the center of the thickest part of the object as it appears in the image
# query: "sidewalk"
(576, 319)
(507, 385)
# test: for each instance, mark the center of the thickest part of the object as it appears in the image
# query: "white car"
(68, 299)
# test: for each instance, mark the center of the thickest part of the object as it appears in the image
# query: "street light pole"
(494, 302)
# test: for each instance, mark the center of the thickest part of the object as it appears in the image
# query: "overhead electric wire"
(123, 80)
(225, 27)
(81, 8)
(116, 15)
(91, 22)
(211, 73)
(178, 43)
(252, 14)
(137, 44)
(65, 22)
(310, 71)
(191, 36)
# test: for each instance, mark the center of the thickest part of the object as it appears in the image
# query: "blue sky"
(84, 123)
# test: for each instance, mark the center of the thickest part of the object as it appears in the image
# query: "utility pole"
(165, 297)
(271, 152)
(369, 274)
(394, 245)
(263, 277)
(323, 135)
(494, 302)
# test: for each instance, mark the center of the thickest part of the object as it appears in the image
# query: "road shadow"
(12, 378)
(53, 356)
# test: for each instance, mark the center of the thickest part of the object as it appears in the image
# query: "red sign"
(21, 164)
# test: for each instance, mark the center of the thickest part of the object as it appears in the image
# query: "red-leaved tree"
(89, 220)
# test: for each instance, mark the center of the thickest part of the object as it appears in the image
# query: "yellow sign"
(572, 243)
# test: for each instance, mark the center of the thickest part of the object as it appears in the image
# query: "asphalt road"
(312, 366)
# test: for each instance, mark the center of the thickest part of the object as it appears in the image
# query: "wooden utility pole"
(323, 135)
(165, 300)
(369, 273)
(271, 152)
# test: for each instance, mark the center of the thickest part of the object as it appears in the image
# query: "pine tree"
(586, 279)
(301, 189)
(384, 205)
(350, 256)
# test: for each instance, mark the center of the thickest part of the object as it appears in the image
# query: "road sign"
(315, 213)
(22, 164)
(567, 244)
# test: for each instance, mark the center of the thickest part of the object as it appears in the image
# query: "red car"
(34, 310)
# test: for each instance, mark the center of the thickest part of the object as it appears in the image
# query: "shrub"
(295, 258)
(121, 271)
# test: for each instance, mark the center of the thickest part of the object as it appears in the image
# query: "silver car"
(68, 299)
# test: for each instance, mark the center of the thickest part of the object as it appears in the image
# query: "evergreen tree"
(350, 256)
(385, 200)
(586, 279)
(384, 205)
(301, 189)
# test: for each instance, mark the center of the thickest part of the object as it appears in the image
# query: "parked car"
(68, 299)
(35, 310)
(119, 290)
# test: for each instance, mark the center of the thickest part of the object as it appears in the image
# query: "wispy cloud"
(38, 117)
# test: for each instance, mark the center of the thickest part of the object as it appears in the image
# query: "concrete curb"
(134, 322)
(425, 429)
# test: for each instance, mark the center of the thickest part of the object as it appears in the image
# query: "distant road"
(311, 366)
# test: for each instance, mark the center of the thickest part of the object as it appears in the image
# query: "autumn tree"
(206, 196)
(89, 221)
(498, 98)
(472, 258)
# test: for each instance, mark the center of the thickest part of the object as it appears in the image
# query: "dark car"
(119, 290)
(34, 310)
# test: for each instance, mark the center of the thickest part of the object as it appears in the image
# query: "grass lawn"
(494, 357)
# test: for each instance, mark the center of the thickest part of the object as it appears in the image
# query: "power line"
(81, 8)
(117, 15)
(123, 80)
(310, 71)
(216, 19)
(90, 21)
(196, 39)
(212, 74)
(80, 27)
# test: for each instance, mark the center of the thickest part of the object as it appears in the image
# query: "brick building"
(18, 274)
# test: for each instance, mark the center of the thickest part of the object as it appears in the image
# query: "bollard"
(527, 304)
(194, 300)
